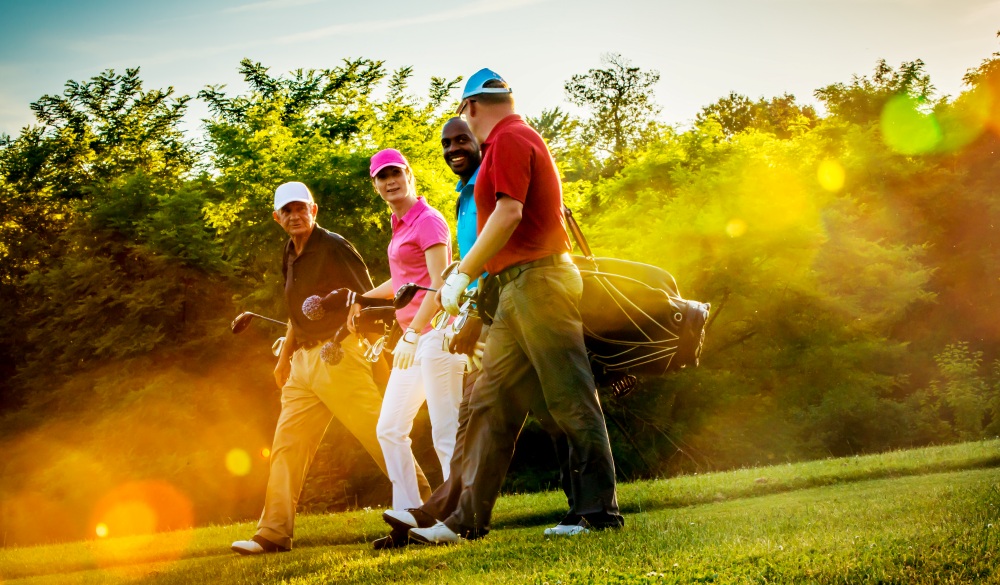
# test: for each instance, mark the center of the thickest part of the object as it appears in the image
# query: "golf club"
(315, 307)
(405, 294)
(242, 321)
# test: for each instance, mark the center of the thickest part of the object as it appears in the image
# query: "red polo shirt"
(516, 163)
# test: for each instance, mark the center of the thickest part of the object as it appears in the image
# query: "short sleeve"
(433, 231)
(512, 166)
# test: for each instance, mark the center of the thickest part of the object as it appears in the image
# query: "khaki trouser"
(314, 394)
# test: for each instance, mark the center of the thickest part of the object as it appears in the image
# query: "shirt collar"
(472, 181)
(310, 242)
(416, 210)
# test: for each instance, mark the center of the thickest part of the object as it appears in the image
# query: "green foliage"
(573, 154)
(780, 116)
(620, 99)
(106, 238)
(961, 402)
(319, 127)
(861, 101)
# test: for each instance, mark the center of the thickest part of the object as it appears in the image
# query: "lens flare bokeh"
(907, 128)
(831, 175)
(238, 462)
(130, 517)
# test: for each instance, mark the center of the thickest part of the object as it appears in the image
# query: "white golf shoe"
(256, 546)
(437, 534)
(566, 530)
(399, 519)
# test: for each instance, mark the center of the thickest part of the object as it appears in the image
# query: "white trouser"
(436, 376)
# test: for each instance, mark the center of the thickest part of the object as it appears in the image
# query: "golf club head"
(241, 322)
(405, 294)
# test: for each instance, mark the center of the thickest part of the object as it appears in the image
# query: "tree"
(780, 116)
(319, 127)
(863, 99)
(563, 133)
(107, 242)
(623, 111)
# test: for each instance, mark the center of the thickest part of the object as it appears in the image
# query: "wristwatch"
(408, 331)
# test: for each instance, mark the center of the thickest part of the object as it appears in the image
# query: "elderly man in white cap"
(313, 392)
(535, 348)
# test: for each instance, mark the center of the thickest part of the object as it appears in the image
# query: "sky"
(702, 49)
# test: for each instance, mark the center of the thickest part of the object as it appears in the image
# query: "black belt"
(510, 274)
(311, 343)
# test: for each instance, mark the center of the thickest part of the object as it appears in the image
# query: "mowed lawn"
(920, 516)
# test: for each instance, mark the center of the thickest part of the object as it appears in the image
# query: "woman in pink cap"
(422, 367)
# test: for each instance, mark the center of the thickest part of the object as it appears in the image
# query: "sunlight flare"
(736, 227)
(238, 462)
(907, 128)
(830, 175)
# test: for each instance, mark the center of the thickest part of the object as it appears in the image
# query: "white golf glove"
(406, 350)
(451, 292)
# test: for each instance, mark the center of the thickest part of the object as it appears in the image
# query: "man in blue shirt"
(461, 152)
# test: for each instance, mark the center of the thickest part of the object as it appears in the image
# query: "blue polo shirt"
(465, 213)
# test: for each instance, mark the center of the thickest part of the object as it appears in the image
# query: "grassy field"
(920, 516)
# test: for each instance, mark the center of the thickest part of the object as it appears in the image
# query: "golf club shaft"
(267, 318)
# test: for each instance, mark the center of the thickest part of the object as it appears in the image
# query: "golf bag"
(635, 321)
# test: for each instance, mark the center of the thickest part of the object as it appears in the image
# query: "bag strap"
(574, 229)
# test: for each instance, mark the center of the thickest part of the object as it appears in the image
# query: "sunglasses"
(461, 108)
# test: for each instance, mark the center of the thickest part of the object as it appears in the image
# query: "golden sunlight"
(830, 175)
(143, 508)
(265, 452)
(129, 518)
(736, 227)
(238, 462)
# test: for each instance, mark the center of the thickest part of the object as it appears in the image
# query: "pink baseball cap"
(389, 157)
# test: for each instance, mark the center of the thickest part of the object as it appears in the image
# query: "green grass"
(920, 516)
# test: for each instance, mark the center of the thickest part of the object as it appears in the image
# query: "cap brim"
(388, 164)
(483, 90)
(292, 200)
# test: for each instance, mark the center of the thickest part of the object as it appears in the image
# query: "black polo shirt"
(327, 262)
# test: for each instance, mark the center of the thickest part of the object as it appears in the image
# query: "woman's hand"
(406, 350)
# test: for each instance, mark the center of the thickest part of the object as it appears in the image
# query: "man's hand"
(355, 309)
(465, 340)
(451, 292)
(406, 350)
(282, 371)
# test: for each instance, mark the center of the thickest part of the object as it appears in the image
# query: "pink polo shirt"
(421, 228)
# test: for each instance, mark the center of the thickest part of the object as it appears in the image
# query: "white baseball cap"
(288, 192)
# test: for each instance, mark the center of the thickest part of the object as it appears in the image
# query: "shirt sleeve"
(355, 266)
(512, 167)
(433, 231)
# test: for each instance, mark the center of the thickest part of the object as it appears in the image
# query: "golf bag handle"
(574, 229)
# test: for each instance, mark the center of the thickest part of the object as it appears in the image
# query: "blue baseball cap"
(474, 86)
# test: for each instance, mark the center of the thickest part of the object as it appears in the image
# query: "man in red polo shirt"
(535, 349)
